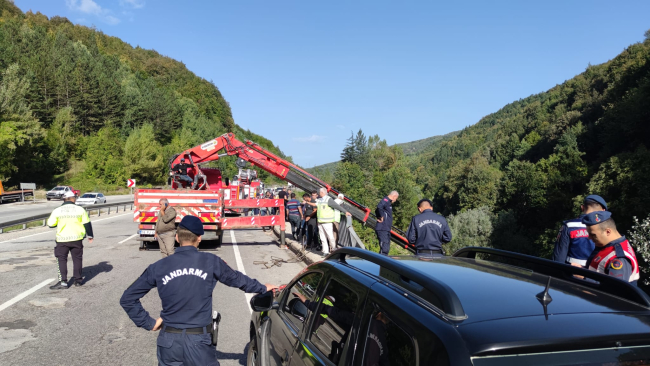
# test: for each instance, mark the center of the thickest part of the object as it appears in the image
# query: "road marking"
(129, 238)
(25, 294)
(240, 267)
(49, 231)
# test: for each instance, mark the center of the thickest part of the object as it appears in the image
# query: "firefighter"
(428, 230)
(384, 213)
(185, 283)
(613, 255)
(72, 226)
(181, 171)
(573, 244)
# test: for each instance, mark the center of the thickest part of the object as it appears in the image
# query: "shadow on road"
(241, 357)
(90, 272)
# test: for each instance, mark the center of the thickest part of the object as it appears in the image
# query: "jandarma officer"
(613, 255)
(573, 244)
(428, 230)
(185, 281)
(72, 226)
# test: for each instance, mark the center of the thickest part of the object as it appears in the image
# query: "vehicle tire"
(252, 357)
(220, 239)
(48, 198)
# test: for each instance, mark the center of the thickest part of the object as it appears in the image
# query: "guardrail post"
(109, 210)
(99, 212)
(24, 226)
(43, 222)
(1, 230)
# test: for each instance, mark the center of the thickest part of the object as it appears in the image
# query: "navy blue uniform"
(573, 244)
(384, 210)
(428, 231)
(185, 281)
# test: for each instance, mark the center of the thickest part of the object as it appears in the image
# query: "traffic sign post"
(24, 186)
(130, 183)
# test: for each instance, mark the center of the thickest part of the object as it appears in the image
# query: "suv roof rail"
(604, 283)
(449, 302)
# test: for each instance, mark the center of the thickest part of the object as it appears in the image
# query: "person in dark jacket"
(384, 213)
(185, 283)
(428, 230)
(181, 171)
(573, 244)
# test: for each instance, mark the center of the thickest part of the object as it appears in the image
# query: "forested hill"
(81, 107)
(509, 180)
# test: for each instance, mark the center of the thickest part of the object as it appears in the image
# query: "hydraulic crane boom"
(283, 169)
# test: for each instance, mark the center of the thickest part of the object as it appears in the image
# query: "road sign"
(27, 185)
(130, 183)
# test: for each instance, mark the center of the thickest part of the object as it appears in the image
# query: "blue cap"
(193, 224)
(596, 217)
(596, 198)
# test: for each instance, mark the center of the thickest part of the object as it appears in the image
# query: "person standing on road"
(311, 222)
(337, 217)
(613, 255)
(325, 214)
(72, 226)
(185, 283)
(294, 215)
(384, 213)
(428, 231)
(573, 244)
(166, 228)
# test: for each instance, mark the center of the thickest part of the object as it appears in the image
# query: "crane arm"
(283, 169)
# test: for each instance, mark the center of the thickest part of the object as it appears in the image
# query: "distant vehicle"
(14, 195)
(91, 198)
(57, 192)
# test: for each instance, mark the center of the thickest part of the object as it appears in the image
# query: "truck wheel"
(220, 239)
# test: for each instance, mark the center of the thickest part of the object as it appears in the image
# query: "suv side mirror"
(263, 302)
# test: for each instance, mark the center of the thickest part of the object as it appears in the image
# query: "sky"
(306, 74)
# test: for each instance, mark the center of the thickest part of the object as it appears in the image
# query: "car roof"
(491, 290)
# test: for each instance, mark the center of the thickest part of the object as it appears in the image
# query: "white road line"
(49, 231)
(240, 266)
(25, 294)
(129, 238)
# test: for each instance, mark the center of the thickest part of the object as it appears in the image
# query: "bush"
(471, 228)
(639, 237)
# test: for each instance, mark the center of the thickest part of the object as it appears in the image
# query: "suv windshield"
(623, 356)
(58, 188)
(88, 195)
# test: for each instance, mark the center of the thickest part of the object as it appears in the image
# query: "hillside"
(81, 107)
(509, 180)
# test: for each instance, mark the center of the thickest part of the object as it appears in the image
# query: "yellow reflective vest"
(69, 220)
(325, 213)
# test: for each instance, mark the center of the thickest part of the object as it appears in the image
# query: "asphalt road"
(86, 325)
(14, 211)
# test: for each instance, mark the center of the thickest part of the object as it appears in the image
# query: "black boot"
(61, 285)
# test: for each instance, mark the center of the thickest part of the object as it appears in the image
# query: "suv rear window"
(623, 356)
(333, 320)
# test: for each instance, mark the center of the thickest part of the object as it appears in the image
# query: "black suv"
(478, 307)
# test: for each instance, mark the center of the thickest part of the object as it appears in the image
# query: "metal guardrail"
(43, 217)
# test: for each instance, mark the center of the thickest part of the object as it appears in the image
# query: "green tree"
(143, 156)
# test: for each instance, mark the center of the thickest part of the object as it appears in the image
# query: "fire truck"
(209, 196)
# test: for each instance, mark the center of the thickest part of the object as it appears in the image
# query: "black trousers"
(384, 241)
(76, 249)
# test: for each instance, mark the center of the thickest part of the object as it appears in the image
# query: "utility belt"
(430, 252)
(212, 329)
(582, 262)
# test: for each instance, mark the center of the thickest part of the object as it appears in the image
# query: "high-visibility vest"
(69, 220)
(337, 213)
(325, 213)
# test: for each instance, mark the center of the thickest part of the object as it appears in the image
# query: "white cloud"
(312, 138)
(92, 8)
(135, 4)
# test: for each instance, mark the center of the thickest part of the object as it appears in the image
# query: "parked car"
(360, 308)
(91, 198)
(58, 192)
